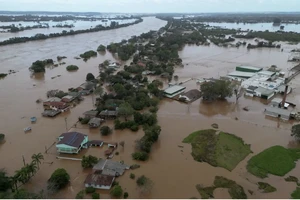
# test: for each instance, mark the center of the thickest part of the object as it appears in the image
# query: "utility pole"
(23, 160)
(66, 122)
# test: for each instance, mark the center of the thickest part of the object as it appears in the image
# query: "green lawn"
(219, 150)
(235, 191)
(266, 187)
(296, 194)
(275, 160)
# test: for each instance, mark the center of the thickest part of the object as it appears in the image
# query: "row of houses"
(54, 105)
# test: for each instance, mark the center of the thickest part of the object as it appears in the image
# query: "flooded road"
(172, 169)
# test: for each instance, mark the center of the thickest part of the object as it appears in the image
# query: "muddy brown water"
(172, 169)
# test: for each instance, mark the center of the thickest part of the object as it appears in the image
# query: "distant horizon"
(108, 12)
(153, 6)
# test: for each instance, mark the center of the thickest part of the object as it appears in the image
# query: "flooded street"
(172, 169)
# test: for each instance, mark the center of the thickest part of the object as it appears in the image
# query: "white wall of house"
(62, 148)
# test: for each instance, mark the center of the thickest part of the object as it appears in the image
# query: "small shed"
(278, 112)
(95, 122)
(90, 114)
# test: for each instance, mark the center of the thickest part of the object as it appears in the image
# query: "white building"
(174, 91)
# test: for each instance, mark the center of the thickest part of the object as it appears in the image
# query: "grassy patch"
(292, 179)
(275, 160)
(206, 192)
(219, 150)
(235, 191)
(230, 151)
(296, 194)
(266, 187)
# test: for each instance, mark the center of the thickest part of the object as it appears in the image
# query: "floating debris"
(214, 125)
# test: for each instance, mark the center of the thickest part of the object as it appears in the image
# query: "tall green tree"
(90, 77)
(36, 158)
(59, 179)
(5, 181)
(125, 110)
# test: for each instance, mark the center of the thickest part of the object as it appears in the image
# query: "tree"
(116, 191)
(90, 190)
(80, 195)
(122, 143)
(89, 161)
(296, 132)
(59, 179)
(125, 196)
(36, 158)
(90, 77)
(101, 48)
(105, 130)
(219, 89)
(2, 136)
(142, 156)
(72, 68)
(145, 184)
(125, 110)
(5, 181)
(95, 195)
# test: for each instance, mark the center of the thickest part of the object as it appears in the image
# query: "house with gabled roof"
(71, 142)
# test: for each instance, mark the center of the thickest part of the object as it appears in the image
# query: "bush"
(90, 77)
(153, 109)
(2, 136)
(85, 120)
(80, 195)
(89, 161)
(72, 68)
(86, 55)
(142, 156)
(134, 128)
(95, 196)
(59, 179)
(141, 180)
(125, 195)
(105, 130)
(89, 190)
(132, 176)
(2, 75)
(117, 153)
(117, 191)
(101, 48)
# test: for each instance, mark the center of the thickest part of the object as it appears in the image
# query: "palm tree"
(21, 175)
(32, 168)
(36, 158)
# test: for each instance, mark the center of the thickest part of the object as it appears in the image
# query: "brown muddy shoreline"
(173, 172)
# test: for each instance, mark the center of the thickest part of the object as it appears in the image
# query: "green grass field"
(219, 150)
(275, 160)
(235, 191)
(296, 194)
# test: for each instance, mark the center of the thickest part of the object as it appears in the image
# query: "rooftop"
(279, 111)
(73, 139)
(52, 99)
(264, 91)
(110, 167)
(241, 74)
(266, 73)
(174, 89)
(99, 179)
(91, 112)
(68, 97)
(250, 67)
(95, 121)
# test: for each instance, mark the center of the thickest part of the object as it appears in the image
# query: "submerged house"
(71, 142)
(264, 93)
(99, 181)
(86, 88)
(110, 167)
(90, 114)
(95, 122)
(108, 114)
(190, 96)
(57, 106)
(278, 113)
(173, 91)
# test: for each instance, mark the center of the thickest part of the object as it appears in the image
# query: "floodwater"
(172, 169)
(257, 26)
(78, 25)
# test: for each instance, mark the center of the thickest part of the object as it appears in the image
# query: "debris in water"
(214, 125)
(246, 108)
(180, 146)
